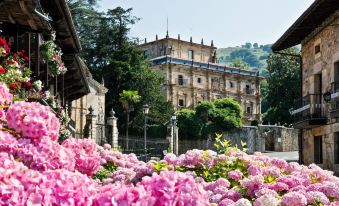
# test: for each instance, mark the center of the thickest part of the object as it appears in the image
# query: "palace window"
(231, 84)
(180, 80)
(318, 149)
(199, 80)
(248, 89)
(190, 54)
(181, 102)
(248, 110)
(146, 53)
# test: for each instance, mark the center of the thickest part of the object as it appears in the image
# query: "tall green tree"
(128, 99)
(115, 57)
(283, 86)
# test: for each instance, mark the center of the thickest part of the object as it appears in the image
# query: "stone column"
(90, 127)
(112, 122)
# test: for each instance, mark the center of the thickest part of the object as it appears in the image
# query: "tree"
(237, 62)
(255, 45)
(190, 125)
(209, 118)
(128, 99)
(113, 56)
(246, 56)
(283, 86)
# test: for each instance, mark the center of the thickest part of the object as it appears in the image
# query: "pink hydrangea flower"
(235, 175)
(33, 120)
(266, 200)
(6, 97)
(294, 198)
(86, 155)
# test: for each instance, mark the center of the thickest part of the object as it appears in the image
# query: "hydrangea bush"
(37, 170)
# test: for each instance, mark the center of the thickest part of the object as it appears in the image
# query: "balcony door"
(317, 84)
(316, 97)
(335, 85)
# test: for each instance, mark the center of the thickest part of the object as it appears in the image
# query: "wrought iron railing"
(334, 96)
(308, 107)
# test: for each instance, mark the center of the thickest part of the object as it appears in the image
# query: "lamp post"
(145, 111)
(174, 135)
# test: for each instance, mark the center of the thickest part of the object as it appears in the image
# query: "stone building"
(95, 100)
(192, 75)
(316, 113)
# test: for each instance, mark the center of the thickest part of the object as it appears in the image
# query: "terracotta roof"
(310, 20)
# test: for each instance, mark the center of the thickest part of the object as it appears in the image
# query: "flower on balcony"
(53, 55)
(37, 85)
(4, 47)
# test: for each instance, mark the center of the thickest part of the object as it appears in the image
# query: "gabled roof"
(310, 20)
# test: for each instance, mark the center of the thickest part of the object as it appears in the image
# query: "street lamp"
(145, 111)
(174, 136)
(327, 96)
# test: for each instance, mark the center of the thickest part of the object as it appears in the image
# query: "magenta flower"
(33, 120)
(294, 198)
(235, 175)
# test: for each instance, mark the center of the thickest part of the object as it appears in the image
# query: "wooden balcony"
(309, 112)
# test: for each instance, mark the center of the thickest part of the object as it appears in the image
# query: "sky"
(226, 22)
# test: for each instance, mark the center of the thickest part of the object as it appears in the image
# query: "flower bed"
(36, 170)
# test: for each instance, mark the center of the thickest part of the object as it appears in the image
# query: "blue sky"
(227, 22)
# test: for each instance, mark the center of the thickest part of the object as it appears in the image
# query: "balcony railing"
(334, 99)
(309, 111)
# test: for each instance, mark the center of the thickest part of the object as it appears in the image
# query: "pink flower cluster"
(23, 186)
(166, 188)
(86, 155)
(33, 120)
(5, 96)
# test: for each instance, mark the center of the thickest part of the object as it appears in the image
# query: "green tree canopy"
(209, 118)
(114, 56)
(283, 86)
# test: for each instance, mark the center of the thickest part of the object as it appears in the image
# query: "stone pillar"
(112, 122)
(90, 126)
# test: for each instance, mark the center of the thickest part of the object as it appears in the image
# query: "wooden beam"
(30, 19)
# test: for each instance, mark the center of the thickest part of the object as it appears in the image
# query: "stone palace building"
(192, 75)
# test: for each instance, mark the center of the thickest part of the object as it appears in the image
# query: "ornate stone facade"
(192, 75)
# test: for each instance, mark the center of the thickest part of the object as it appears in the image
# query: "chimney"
(178, 36)
(212, 43)
(191, 40)
(145, 40)
(202, 41)
(167, 34)
(156, 37)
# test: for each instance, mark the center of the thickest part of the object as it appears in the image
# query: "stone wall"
(324, 62)
(283, 139)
